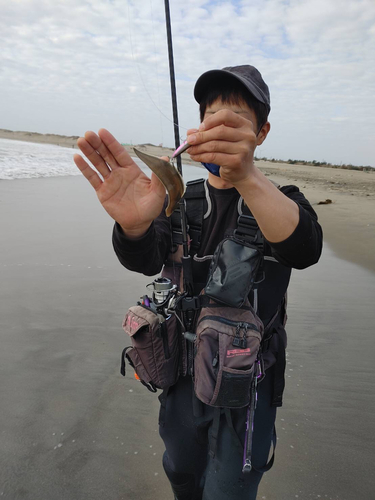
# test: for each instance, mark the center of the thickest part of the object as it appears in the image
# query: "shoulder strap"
(195, 197)
(195, 200)
(248, 229)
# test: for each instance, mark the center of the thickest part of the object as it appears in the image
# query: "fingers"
(221, 132)
(192, 131)
(102, 149)
(222, 159)
(219, 147)
(118, 151)
(88, 172)
(223, 117)
(91, 153)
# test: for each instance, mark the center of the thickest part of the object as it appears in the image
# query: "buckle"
(190, 303)
(248, 231)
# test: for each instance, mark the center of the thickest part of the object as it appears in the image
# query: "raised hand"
(228, 139)
(126, 193)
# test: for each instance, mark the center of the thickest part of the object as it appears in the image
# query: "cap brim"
(209, 78)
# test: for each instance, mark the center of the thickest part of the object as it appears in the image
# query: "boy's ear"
(263, 133)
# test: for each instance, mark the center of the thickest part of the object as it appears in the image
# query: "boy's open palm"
(126, 193)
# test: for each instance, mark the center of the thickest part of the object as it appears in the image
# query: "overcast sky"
(68, 66)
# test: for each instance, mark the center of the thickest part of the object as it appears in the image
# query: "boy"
(234, 107)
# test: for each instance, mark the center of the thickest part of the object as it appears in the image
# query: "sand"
(72, 427)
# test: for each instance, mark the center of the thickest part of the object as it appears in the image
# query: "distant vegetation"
(315, 163)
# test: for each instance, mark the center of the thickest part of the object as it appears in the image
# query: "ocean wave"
(28, 160)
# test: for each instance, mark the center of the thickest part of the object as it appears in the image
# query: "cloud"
(70, 66)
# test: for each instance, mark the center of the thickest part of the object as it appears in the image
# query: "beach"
(348, 222)
(73, 428)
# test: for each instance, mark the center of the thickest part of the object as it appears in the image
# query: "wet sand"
(325, 428)
(73, 428)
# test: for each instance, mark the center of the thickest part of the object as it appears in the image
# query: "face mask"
(213, 168)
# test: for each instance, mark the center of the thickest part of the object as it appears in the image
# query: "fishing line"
(140, 73)
(157, 70)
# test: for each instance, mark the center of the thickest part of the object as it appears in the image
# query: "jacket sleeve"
(146, 254)
(304, 246)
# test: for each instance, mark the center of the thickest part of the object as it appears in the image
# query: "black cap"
(247, 75)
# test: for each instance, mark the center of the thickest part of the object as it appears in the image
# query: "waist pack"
(227, 356)
(154, 352)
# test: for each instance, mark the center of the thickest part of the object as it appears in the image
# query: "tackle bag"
(154, 352)
(227, 354)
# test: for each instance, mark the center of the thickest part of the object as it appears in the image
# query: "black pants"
(187, 436)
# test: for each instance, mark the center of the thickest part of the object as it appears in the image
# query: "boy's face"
(242, 109)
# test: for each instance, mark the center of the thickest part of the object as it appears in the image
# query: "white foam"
(27, 160)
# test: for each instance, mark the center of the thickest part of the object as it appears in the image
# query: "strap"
(198, 407)
(215, 432)
(195, 198)
(248, 230)
(268, 465)
(163, 406)
(176, 227)
(122, 368)
(279, 375)
(270, 324)
(247, 226)
(150, 386)
(237, 440)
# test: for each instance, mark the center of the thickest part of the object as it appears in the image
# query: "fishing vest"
(198, 207)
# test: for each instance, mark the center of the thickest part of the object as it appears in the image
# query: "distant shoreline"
(70, 141)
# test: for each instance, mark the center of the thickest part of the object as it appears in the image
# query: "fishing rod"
(173, 82)
(186, 259)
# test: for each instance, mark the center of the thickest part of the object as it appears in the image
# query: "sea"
(27, 160)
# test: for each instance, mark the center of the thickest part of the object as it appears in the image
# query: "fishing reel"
(163, 298)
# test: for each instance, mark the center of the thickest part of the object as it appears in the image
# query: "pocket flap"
(138, 318)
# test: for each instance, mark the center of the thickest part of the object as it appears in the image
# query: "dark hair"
(231, 91)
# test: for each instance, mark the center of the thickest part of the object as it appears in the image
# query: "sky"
(69, 66)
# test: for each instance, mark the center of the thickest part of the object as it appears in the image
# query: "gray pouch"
(233, 271)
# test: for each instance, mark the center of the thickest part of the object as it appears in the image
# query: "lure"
(211, 167)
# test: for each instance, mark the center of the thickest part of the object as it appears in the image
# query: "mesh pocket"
(233, 388)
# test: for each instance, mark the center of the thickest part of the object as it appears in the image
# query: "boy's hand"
(227, 139)
(126, 193)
